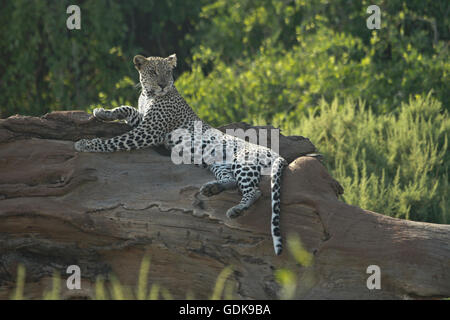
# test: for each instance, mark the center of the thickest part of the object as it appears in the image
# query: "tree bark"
(105, 211)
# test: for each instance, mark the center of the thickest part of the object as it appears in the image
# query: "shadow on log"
(103, 212)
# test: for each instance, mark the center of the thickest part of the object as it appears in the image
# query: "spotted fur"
(163, 113)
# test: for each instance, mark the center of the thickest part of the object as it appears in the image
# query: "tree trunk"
(105, 211)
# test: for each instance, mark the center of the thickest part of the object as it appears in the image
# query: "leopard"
(164, 118)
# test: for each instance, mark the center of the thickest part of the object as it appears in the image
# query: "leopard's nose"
(161, 84)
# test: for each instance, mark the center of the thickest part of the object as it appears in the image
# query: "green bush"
(396, 164)
(278, 85)
(323, 47)
(46, 67)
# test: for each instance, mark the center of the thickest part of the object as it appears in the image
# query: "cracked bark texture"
(103, 212)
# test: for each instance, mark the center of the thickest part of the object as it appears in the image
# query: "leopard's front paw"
(101, 114)
(84, 145)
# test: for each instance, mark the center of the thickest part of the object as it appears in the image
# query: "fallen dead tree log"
(103, 212)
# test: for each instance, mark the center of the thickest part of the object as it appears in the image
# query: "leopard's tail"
(277, 170)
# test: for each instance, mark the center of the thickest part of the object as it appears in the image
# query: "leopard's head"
(155, 74)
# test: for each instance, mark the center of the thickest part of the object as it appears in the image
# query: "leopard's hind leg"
(248, 178)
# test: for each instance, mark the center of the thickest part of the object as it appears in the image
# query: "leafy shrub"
(278, 85)
(331, 46)
(396, 164)
(46, 67)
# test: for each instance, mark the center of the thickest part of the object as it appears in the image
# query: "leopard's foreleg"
(131, 116)
(148, 133)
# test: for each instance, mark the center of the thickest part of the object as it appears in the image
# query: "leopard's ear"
(139, 61)
(172, 59)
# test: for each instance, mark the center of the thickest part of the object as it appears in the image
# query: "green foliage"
(20, 283)
(322, 48)
(278, 85)
(55, 292)
(220, 285)
(396, 164)
(223, 288)
(302, 49)
(287, 278)
(235, 29)
(47, 67)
